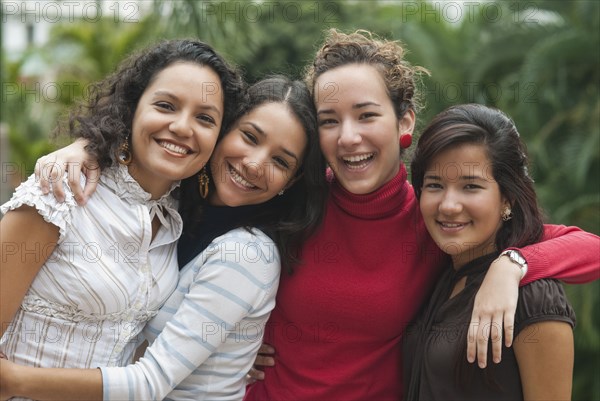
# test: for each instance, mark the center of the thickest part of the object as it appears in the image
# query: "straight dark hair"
(289, 219)
(478, 124)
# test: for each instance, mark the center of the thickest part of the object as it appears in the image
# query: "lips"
(173, 147)
(355, 162)
(239, 179)
(451, 226)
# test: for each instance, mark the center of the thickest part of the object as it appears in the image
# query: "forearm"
(45, 384)
(566, 253)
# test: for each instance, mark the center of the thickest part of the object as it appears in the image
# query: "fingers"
(74, 180)
(48, 172)
(509, 328)
(471, 339)
(482, 341)
(496, 337)
(93, 177)
(255, 374)
(266, 349)
(263, 360)
(482, 330)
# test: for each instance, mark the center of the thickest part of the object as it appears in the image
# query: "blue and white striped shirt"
(208, 332)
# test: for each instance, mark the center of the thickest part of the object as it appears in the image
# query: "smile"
(237, 178)
(447, 226)
(356, 162)
(170, 146)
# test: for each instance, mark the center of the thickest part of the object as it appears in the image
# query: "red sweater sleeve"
(565, 253)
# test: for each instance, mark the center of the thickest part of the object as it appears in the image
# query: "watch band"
(518, 259)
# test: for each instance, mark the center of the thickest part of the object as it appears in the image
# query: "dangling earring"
(281, 192)
(506, 214)
(203, 181)
(124, 156)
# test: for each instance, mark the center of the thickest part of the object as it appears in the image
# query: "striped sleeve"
(235, 277)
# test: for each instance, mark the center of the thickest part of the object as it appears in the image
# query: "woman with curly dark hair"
(80, 283)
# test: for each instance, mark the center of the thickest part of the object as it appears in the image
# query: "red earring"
(405, 141)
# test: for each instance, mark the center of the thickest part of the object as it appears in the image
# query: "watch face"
(516, 257)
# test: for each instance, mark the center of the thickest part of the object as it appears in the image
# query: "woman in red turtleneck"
(339, 318)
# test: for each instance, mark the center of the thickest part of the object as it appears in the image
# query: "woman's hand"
(73, 159)
(263, 358)
(494, 311)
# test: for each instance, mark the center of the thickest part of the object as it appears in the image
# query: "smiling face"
(175, 126)
(258, 157)
(359, 132)
(461, 203)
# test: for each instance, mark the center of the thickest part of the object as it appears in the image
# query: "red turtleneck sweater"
(340, 316)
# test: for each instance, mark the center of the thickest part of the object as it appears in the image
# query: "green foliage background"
(539, 61)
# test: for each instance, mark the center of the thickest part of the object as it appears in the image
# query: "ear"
(406, 124)
(506, 203)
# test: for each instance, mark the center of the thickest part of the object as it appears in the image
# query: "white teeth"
(451, 225)
(239, 179)
(357, 158)
(173, 148)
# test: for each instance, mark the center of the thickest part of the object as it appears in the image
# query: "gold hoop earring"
(506, 214)
(203, 181)
(124, 155)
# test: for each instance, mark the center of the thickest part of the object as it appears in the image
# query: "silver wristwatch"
(518, 259)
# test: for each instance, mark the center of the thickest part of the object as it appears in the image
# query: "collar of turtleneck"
(381, 203)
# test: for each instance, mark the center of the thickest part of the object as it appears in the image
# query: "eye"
(207, 119)
(250, 137)
(164, 105)
(432, 186)
(282, 162)
(367, 115)
(327, 121)
(472, 187)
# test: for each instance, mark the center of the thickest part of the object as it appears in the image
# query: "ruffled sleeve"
(542, 300)
(57, 213)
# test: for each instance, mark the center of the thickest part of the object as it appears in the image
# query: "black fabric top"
(216, 221)
(434, 348)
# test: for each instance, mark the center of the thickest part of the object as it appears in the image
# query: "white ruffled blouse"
(104, 280)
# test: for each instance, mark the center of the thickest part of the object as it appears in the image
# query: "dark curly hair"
(291, 218)
(106, 117)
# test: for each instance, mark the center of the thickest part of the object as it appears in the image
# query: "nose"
(349, 135)
(256, 164)
(450, 203)
(181, 125)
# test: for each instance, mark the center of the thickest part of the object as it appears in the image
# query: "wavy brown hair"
(362, 47)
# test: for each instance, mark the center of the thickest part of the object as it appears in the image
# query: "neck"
(156, 187)
(461, 259)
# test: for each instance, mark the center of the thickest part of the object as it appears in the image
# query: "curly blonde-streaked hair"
(362, 47)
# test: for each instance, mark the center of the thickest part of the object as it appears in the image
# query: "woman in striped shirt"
(265, 196)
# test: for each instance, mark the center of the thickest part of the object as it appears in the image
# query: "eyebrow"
(462, 177)
(175, 98)
(354, 106)
(261, 132)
